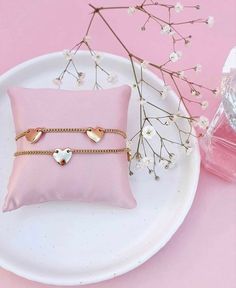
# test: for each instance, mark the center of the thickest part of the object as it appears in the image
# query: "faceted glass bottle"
(219, 143)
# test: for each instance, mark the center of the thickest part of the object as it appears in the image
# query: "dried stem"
(141, 139)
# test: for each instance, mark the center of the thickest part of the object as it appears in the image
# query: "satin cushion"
(87, 177)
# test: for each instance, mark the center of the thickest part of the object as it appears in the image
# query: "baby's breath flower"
(164, 163)
(204, 105)
(188, 150)
(81, 75)
(181, 74)
(210, 21)
(175, 56)
(198, 68)
(131, 10)
(167, 29)
(142, 102)
(97, 58)
(67, 54)
(173, 117)
(172, 157)
(146, 161)
(195, 93)
(165, 91)
(187, 42)
(57, 82)
(148, 132)
(138, 165)
(112, 78)
(80, 81)
(203, 122)
(144, 64)
(179, 7)
(87, 38)
(171, 164)
(128, 144)
(216, 91)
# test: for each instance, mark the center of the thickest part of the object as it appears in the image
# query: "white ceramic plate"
(76, 243)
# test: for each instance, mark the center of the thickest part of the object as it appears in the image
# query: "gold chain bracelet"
(96, 134)
(63, 156)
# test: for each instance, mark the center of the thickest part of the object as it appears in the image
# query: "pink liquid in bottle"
(219, 143)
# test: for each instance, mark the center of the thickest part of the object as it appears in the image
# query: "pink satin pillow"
(87, 177)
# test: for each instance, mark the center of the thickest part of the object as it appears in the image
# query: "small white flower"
(87, 38)
(167, 29)
(194, 122)
(146, 161)
(131, 10)
(181, 74)
(198, 68)
(187, 42)
(171, 164)
(142, 102)
(173, 157)
(179, 7)
(173, 118)
(167, 122)
(204, 105)
(188, 150)
(165, 91)
(144, 64)
(67, 54)
(164, 163)
(216, 91)
(97, 58)
(57, 82)
(175, 56)
(173, 160)
(112, 78)
(148, 132)
(128, 144)
(210, 21)
(195, 93)
(203, 122)
(138, 165)
(80, 81)
(81, 75)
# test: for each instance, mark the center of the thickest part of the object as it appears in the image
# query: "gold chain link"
(74, 151)
(71, 130)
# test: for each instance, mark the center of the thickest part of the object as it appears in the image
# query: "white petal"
(210, 21)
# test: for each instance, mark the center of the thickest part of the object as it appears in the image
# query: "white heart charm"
(62, 156)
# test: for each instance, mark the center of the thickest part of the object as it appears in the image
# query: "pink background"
(203, 251)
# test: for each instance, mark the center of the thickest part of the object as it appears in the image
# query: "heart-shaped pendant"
(62, 156)
(33, 135)
(95, 134)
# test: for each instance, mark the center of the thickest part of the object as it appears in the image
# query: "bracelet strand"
(74, 151)
(63, 156)
(100, 130)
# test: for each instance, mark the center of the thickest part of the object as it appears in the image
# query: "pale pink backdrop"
(203, 251)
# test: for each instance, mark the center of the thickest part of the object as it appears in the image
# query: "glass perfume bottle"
(219, 143)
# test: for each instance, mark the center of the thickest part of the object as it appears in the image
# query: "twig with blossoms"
(147, 153)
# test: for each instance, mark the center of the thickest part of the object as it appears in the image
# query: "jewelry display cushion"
(87, 177)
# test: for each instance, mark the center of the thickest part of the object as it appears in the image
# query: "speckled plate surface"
(77, 243)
